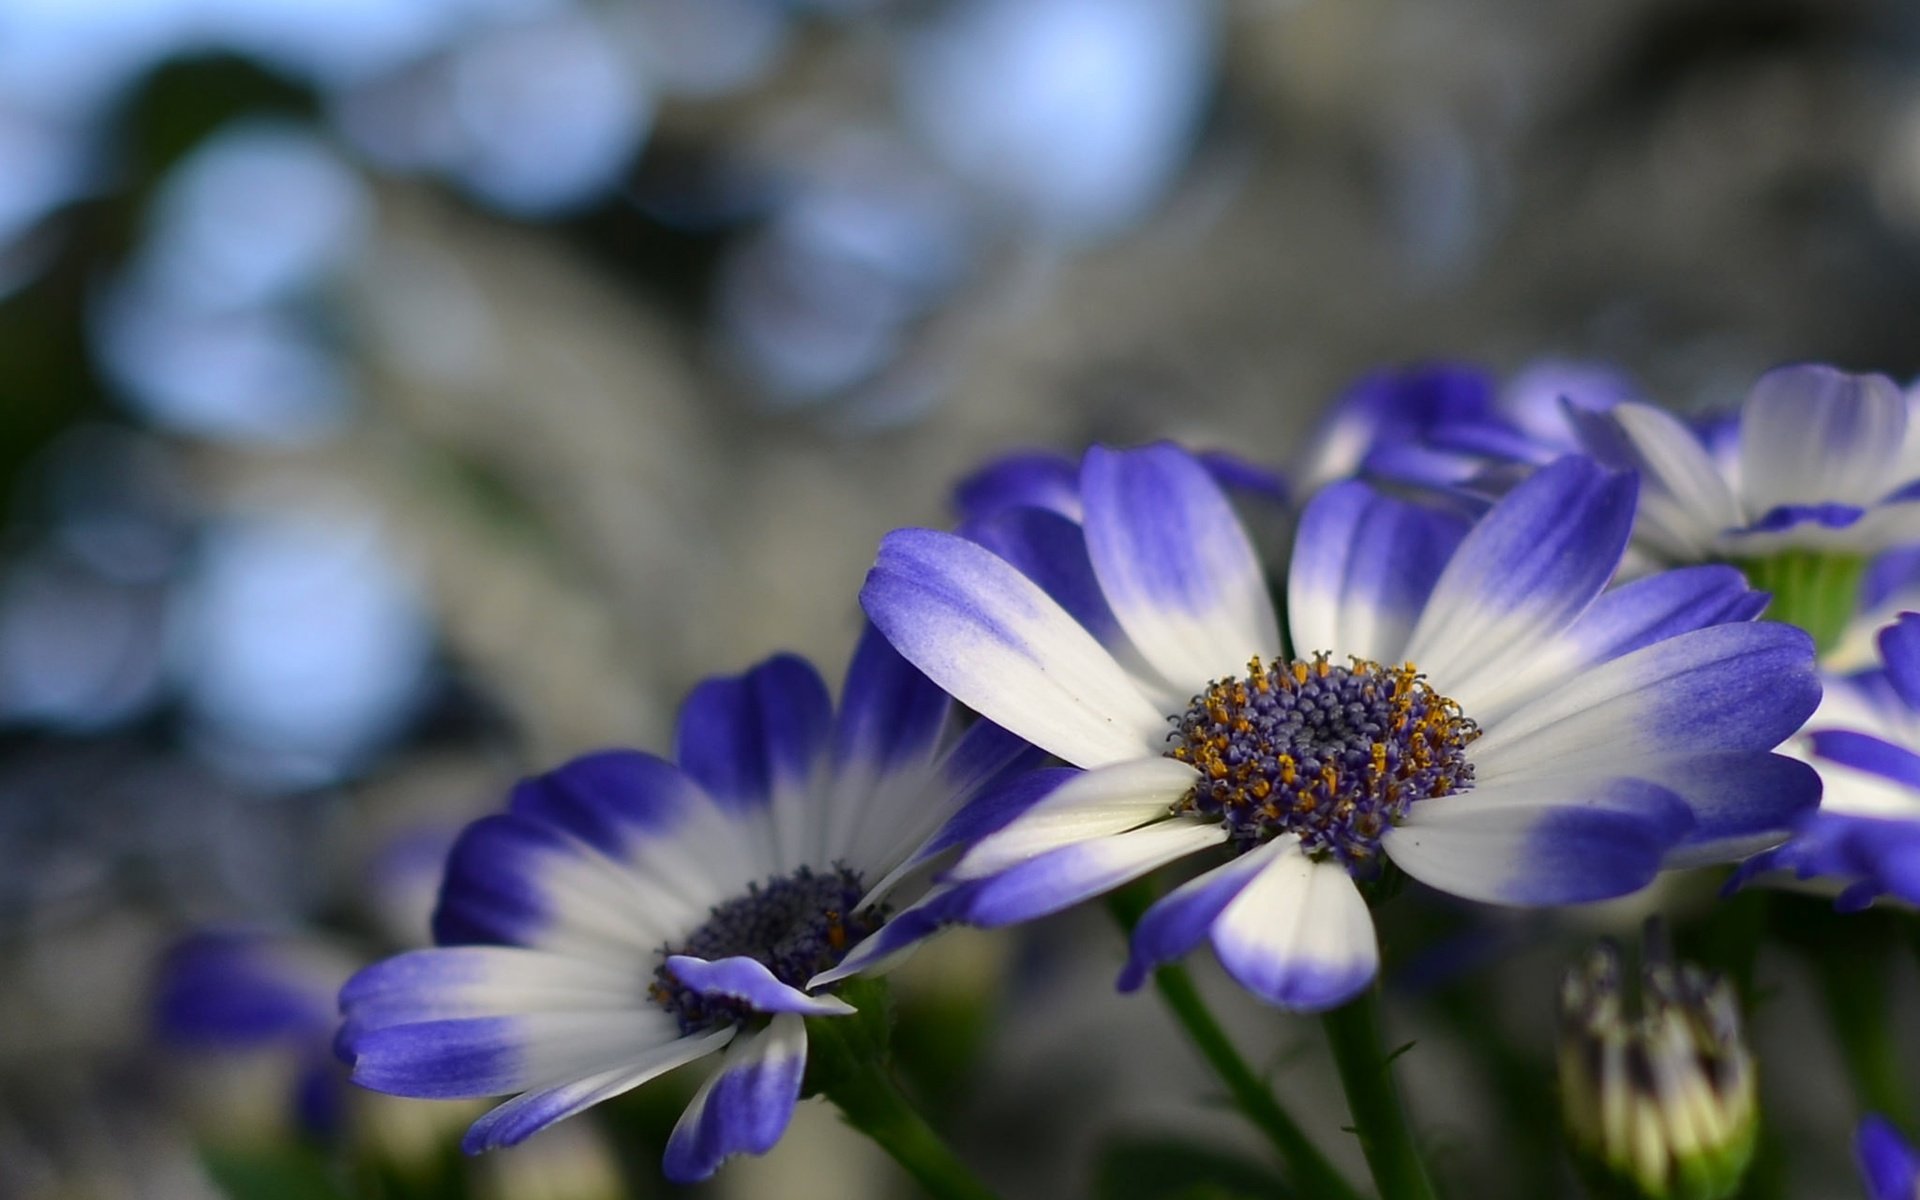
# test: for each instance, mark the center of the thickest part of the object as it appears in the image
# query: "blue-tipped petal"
(491, 1056)
(745, 1106)
(1175, 564)
(239, 988)
(748, 738)
(747, 979)
(1394, 407)
(1586, 840)
(1244, 479)
(1023, 479)
(986, 756)
(1864, 752)
(609, 799)
(1900, 651)
(523, 1116)
(492, 891)
(1741, 801)
(1645, 611)
(1524, 572)
(1052, 551)
(990, 811)
(1000, 645)
(1890, 576)
(1299, 935)
(1875, 855)
(1745, 686)
(1363, 567)
(945, 905)
(890, 714)
(1059, 879)
(447, 982)
(1887, 1161)
(1181, 920)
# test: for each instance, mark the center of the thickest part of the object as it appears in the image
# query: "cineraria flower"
(1887, 1162)
(1863, 740)
(627, 915)
(1821, 470)
(1447, 425)
(1467, 704)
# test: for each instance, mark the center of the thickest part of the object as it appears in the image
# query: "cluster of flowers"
(1513, 651)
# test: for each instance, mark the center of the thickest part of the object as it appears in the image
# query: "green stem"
(847, 1063)
(1379, 1118)
(1858, 989)
(1815, 591)
(1307, 1168)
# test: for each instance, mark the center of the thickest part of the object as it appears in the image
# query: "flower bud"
(1661, 1101)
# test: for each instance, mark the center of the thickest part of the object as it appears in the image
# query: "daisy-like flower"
(627, 915)
(1863, 740)
(1466, 703)
(1447, 425)
(1820, 471)
(1888, 1161)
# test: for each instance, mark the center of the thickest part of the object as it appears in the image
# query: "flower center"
(796, 925)
(1334, 755)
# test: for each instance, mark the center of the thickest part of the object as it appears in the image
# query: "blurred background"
(398, 396)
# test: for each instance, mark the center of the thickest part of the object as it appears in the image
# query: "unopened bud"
(1662, 1101)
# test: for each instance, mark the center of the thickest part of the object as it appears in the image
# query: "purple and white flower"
(240, 991)
(1865, 741)
(1469, 703)
(627, 914)
(1819, 460)
(1888, 1162)
(1453, 426)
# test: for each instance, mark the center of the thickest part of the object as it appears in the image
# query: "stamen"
(1334, 755)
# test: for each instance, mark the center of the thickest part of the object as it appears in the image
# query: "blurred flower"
(1050, 480)
(1545, 743)
(1865, 741)
(1666, 1102)
(757, 863)
(235, 994)
(1450, 424)
(1887, 1161)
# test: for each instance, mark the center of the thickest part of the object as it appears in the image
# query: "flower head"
(1819, 459)
(1463, 702)
(1865, 741)
(627, 915)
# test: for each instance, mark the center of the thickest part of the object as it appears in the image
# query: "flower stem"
(1379, 1118)
(1307, 1168)
(847, 1063)
(1818, 592)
